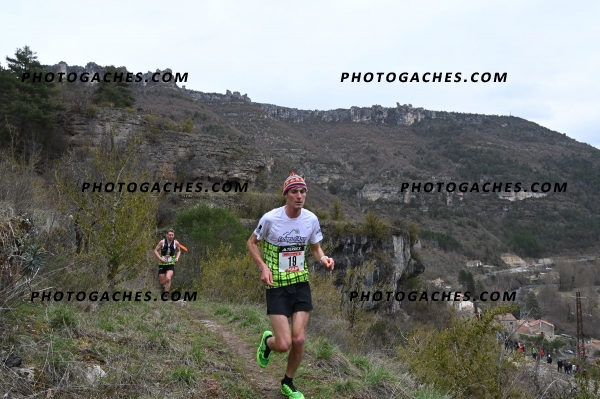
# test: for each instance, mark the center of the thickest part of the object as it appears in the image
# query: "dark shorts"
(162, 269)
(289, 299)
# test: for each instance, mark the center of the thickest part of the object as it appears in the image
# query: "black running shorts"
(162, 269)
(289, 299)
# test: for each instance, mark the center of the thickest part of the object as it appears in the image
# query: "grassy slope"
(151, 350)
(158, 349)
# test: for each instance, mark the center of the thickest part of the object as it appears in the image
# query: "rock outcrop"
(84, 75)
(393, 261)
(228, 97)
(190, 157)
(401, 115)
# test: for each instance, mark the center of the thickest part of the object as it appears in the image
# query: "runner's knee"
(298, 341)
(282, 345)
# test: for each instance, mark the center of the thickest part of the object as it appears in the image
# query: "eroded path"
(262, 380)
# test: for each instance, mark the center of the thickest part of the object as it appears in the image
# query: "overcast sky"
(293, 53)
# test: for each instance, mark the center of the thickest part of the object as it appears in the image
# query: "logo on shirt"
(288, 237)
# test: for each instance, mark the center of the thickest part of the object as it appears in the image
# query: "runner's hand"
(328, 263)
(266, 276)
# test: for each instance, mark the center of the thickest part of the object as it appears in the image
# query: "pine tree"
(117, 94)
(462, 278)
(533, 307)
(471, 284)
(30, 107)
(465, 279)
(336, 212)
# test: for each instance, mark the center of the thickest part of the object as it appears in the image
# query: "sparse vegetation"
(113, 94)
(444, 241)
(187, 125)
(374, 227)
(355, 349)
(336, 212)
(114, 228)
(463, 359)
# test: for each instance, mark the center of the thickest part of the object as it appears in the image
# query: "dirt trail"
(261, 380)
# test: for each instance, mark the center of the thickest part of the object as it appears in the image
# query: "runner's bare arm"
(320, 257)
(178, 252)
(159, 246)
(265, 274)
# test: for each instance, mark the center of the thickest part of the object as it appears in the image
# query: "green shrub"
(444, 241)
(344, 228)
(322, 215)
(224, 310)
(91, 111)
(62, 316)
(230, 276)
(378, 374)
(463, 358)
(361, 362)
(336, 212)
(187, 125)
(374, 227)
(118, 94)
(149, 118)
(254, 206)
(413, 233)
(208, 227)
(324, 349)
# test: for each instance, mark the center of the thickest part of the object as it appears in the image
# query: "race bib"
(291, 259)
(168, 258)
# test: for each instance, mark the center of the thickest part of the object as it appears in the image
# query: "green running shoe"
(290, 391)
(260, 352)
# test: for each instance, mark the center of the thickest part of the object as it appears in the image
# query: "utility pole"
(580, 343)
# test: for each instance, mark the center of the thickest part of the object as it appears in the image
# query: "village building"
(592, 347)
(508, 322)
(465, 308)
(474, 263)
(530, 328)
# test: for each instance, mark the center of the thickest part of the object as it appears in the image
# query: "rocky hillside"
(363, 156)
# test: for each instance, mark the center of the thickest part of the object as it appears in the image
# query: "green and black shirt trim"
(281, 279)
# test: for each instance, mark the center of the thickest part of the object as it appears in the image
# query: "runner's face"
(170, 236)
(295, 197)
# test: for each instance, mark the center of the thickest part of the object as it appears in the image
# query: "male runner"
(286, 233)
(166, 262)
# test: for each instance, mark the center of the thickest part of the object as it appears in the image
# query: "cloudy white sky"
(293, 53)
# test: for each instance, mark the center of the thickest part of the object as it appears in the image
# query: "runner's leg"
(168, 277)
(161, 279)
(281, 341)
(299, 322)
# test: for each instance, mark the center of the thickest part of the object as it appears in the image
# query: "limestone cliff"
(401, 115)
(92, 68)
(184, 156)
(393, 261)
